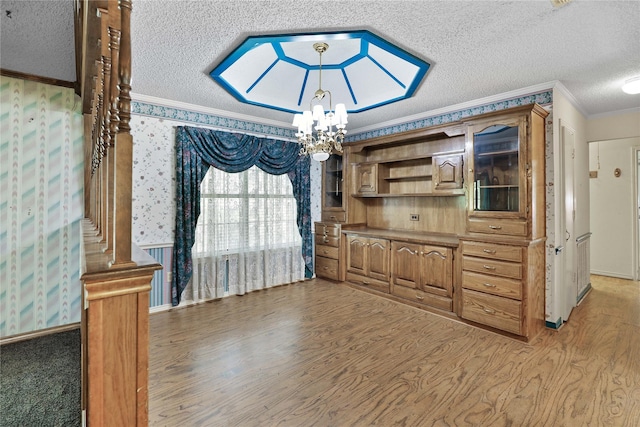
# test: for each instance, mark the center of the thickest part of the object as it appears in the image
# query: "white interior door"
(568, 265)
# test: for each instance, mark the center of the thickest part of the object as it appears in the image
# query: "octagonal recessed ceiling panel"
(281, 72)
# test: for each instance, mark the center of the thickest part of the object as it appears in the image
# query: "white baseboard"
(610, 274)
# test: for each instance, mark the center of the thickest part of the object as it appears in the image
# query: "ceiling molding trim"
(172, 110)
(614, 113)
(543, 87)
(38, 79)
(456, 113)
(572, 99)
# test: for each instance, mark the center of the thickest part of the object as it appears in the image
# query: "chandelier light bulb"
(326, 140)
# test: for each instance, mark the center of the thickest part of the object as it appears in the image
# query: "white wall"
(561, 298)
(617, 126)
(612, 199)
(613, 207)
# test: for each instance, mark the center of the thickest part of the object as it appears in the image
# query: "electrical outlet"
(414, 217)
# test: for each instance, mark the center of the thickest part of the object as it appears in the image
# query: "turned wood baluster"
(123, 143)
(114, 48)
(108, 228)
(102, 132)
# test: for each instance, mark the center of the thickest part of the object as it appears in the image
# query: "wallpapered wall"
(154, 205)
(41, 184)
(153, 130)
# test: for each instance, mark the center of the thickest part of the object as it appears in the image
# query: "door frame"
(635, 185)
(566, 266)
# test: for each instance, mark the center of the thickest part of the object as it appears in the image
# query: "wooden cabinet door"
(447, 172)
(405, 265)
(497, 163)
(357, 255)
(437, 270)
(367, 178)
(378, 259)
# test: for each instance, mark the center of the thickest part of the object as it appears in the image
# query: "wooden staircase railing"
(116, 275)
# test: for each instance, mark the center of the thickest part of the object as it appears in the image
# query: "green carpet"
(40, 381)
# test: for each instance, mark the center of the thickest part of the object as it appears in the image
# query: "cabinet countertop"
(441, 239)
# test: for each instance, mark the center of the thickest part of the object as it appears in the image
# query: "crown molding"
(614, 113)
(150, 106)
(572, 99)
(161, 102)
(541, 93)
(37, 79)
(530, 90)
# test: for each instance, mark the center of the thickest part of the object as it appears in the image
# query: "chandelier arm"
(326, 140)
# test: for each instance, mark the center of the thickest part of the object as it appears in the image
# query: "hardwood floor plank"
(319, 353)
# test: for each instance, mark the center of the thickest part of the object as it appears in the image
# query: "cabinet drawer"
(498, 312)
(327, 268)
(334, 216)
(422, 297)
(327, 251)
(489, 266)
(489, 250)
(493, 285)
(323, 229)
(498, 226)
(368, 282)
(327, 240)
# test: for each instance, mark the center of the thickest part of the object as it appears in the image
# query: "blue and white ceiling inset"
(359, 68)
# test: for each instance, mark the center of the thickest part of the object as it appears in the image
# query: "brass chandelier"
(326, 140)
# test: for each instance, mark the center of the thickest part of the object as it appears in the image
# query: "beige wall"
(626, 125)
(561, 295)
(613, 207)
(614, 249)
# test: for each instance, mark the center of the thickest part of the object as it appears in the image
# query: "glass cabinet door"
(332, 185)
(496, 158)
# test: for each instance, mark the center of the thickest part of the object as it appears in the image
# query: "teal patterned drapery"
(196, 150)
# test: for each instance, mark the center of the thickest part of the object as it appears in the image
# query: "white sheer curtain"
(246, 237)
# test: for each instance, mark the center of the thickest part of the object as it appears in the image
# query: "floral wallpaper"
(154, 181)
(153, 202)
(551, 220)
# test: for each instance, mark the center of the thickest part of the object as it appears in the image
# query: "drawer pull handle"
(332, 217)
(325, 252)
(325, 267)
(365, 283)
(488, 267)
(418, 297)
(488, 310)
(488, 251)
(489, 285)
(495, 227)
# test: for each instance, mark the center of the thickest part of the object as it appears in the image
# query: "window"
(250, 210)
(247, 237)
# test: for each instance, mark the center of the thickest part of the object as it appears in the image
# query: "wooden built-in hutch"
(449, 218)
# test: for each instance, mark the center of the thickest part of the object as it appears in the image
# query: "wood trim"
(448, 130)
(37, 79)
(39, 333)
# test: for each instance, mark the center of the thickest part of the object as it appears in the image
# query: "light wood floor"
(323, 354)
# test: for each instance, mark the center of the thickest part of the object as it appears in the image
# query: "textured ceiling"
(36, 37)
(476, 48)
